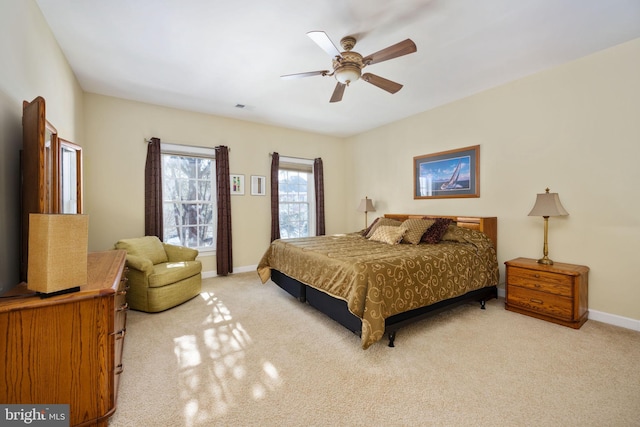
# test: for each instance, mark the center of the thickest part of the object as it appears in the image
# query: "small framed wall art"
(453, 173)
(258, 185)
(237, 185)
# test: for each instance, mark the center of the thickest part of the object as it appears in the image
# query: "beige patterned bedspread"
(378, 280)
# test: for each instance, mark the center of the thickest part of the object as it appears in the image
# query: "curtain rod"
(292, 157)
(148, 141)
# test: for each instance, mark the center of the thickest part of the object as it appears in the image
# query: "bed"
(373, 286)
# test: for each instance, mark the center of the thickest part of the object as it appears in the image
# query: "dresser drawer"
(120, 328)
(120, 304)
(544, 281)
(541, 302)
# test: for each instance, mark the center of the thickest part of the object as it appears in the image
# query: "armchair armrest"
(179, 253)
(140, 263)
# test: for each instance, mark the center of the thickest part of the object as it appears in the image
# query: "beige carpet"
(247, 354)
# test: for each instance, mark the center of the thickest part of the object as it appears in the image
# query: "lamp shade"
(366, 205)
(57, 259)
(548, 204)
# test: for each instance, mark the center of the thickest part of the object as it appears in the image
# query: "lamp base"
(43, 295)
(545, 260)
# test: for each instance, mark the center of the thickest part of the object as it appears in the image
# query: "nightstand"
(556, 293)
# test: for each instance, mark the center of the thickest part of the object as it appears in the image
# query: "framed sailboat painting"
(453, 173)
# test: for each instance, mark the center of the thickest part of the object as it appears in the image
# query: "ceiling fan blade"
(399, 49)
(382, 83)
(307, 74)
(322, 39)
(338, 92)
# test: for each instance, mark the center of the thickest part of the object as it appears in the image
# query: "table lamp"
(547, 204)
(366, 205)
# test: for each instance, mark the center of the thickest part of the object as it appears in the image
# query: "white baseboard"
(245, 269)
(614, 319)
(598, 316)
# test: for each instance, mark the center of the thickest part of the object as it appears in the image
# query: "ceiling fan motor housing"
(348, 68)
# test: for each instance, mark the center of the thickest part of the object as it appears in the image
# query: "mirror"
(49, 196)
(70, 176)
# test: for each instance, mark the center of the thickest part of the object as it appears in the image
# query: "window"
(189, 199)
(296, 198)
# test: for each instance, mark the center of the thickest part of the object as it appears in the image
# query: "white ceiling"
(209, 55)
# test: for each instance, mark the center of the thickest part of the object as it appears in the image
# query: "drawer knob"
(537, 285)
(123, 307)
(119, 369)
(536, 301)
(537, 276)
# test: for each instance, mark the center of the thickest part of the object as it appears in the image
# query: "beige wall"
(32, 65)
(574, 129)
(114, 163)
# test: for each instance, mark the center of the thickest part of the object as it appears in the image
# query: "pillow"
(415, 229)
(436, 231)
(468, 235)
(456, 234)
(368, 229)
(389, 234)
(380, 222)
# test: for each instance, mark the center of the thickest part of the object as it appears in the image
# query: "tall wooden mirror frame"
(51, 173)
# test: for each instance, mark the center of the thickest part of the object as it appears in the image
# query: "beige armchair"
(160, 275)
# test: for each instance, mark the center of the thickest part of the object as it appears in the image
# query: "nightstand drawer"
(544, 281)
(541, 302)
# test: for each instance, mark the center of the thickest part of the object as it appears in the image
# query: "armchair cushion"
(147, 247)
(172, 272)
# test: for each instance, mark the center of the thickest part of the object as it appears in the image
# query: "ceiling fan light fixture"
(347, 73)
(348, 65)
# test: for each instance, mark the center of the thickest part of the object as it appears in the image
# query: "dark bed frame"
(338, 311)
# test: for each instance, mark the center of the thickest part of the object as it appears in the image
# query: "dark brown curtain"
(153, 222)
(275, 206)
(224, 258)
(318, 180)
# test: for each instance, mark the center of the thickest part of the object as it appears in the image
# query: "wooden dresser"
(557, 293)
(67, 349)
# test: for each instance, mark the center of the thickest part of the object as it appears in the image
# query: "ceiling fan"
(348, 65)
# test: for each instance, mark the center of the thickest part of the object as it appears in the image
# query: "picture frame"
(258, 185)
(237, 184)
(447, 174)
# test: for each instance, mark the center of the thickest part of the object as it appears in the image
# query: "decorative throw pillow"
(415, 229)
(380, 222)
(368, 229)
(389, 234)
(436, 231)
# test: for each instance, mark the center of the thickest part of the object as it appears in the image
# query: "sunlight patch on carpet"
(186, 350)
(214, 366)
(219, 313)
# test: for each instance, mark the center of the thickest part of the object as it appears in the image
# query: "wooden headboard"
(487, 224)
